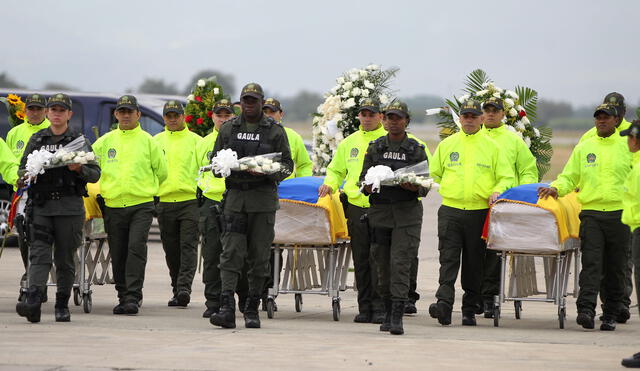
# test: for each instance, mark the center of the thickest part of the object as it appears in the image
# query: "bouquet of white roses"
(417, 174)
(226, 160)
(336, 118)
(76, 152)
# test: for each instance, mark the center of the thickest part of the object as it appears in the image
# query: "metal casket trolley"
(311, 236)
(528, 233)
(93, 259)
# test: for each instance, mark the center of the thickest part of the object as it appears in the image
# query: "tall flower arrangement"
(336, 117)
(16, 109)
(520, 107)
(199, 103)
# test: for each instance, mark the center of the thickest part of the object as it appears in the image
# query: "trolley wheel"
(270, 307)
(298, 302)
(562, 314)
(77, 299)
(518, 307)
(336, 309)
(496, 316)
(87, 303)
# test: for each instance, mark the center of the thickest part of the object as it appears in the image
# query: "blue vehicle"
(93, 112)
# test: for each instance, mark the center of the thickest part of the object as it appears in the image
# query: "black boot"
(30, 308)
(251, 318)
(397, 311)
(62, 307)
(386, 325)
(210, 311)
(226, 317)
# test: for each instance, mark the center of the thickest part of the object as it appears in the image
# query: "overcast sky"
(576, 51)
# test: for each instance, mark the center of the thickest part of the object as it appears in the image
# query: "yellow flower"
(20, 115)
(13, 99)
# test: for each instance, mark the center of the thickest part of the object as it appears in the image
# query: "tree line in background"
(299, 107)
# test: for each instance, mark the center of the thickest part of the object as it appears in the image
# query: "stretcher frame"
(319, 269)
(557, 271)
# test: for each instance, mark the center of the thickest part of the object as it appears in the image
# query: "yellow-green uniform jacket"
(302, 165)
(624, 125)
(8, 164)
(212, 188)
(133, 166)
(631, 198)
(18, 137)
(521, 160)
(598, 167)
(183, 164)
(469, 169)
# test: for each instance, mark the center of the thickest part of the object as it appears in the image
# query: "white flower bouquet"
(417, 174)
(76, 152)
(336, 117)
(226, 161)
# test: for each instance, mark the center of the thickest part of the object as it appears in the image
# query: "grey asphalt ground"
(162, 338)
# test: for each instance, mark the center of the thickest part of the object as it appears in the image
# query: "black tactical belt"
(54, 195)
(245, 186)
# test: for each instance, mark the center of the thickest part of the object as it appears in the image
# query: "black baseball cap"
(252, 89)
(398, 107)
(127, 101)
(607, 108)
(59, 99)
(35, 100)
(223, 104)
(173, 106)
(615, 99)
(493, 101)
(471, 106)
(369, 104)
(273, 104)
(634, 129)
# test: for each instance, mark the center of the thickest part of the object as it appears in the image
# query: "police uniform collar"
(368, 131)
(68, 133)
(474, 135)
(181, 131)
(26, 121)
(134, 130)
(501, 127)
(264, 120)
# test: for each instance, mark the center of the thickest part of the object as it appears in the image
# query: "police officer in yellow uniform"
(133, 166)
(250, 205)
(395, 214)
(472, 173)
(599, 167)
(523, 165)
(211, 190)
(617, 100)
(346, 167)
(177, 208)
(18, 137)
(56, 212)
